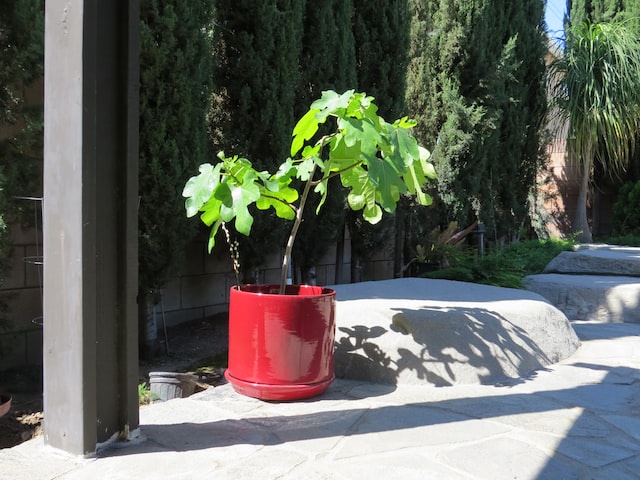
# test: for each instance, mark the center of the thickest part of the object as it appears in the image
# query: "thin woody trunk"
(286, 260)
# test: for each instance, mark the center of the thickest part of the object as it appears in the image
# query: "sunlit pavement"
(579, 418)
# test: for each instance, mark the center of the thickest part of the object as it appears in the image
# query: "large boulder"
(419, 331)
(596, 298)
(597, 259)
(594, 282)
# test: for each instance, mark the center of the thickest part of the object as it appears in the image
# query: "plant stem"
(334, 174)
(294, 231)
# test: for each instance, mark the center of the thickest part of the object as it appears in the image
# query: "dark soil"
(23, 421)
(198, 347)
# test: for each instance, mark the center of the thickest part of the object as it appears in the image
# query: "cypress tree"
(476, 84)
(604, 11)
(381, 32)
(327, 62)
(257, 50)
(523, 110)
(175, 76)
(380, 29)
(328, 57)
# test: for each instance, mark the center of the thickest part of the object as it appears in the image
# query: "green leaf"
(415, 182)
(286, 170)
(372, 213)
(243, 196)
(244, 220)
(362, 194)
(223, 195)
(405, 146)
(405, 122)
(356, 202)
(211, 211)
(321, 189)
(360, 131)
(341, 156)
(305, 169)
(304, 130)
(311, 151)
(384, 175)
(331, 103)
(192, 206)
(199, 189)
(288, 194)
(212, 235)
(282, 209)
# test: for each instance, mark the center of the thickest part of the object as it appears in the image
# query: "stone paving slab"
(576, 419)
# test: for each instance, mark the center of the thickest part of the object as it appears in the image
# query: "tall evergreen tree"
(476, 84)
(519, 152)
(257, 77)
(328, 57)
(380, 29)
(381, 32)
(605, 11)
(175, 77)
(327, 62)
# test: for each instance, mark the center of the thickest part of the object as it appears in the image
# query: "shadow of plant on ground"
(441, 346)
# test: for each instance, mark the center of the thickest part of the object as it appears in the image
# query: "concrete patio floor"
(578, 419)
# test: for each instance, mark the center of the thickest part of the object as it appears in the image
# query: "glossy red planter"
(5, 403)
(281, 346)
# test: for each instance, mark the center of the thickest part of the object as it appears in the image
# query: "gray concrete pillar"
(90, 222)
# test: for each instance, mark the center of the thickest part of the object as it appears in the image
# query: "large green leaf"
(243, 196)
(331, 103)
(362, 194)
(362, 133)
(304, 130)
(384, 175)
(282, 209)
(198, 189)
(211, 211)
(405, 145)
(306, 168)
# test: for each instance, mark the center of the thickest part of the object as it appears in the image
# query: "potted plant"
(281, 336)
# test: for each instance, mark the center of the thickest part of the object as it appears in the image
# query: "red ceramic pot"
(281, 346)
(5, 403)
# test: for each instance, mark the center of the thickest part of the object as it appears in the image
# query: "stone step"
(597, 259)
(601, 298)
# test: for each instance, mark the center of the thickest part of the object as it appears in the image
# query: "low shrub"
(626, 216)
(627, 240)
(505, 267)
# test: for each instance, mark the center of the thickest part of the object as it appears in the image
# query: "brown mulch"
(23, 421)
